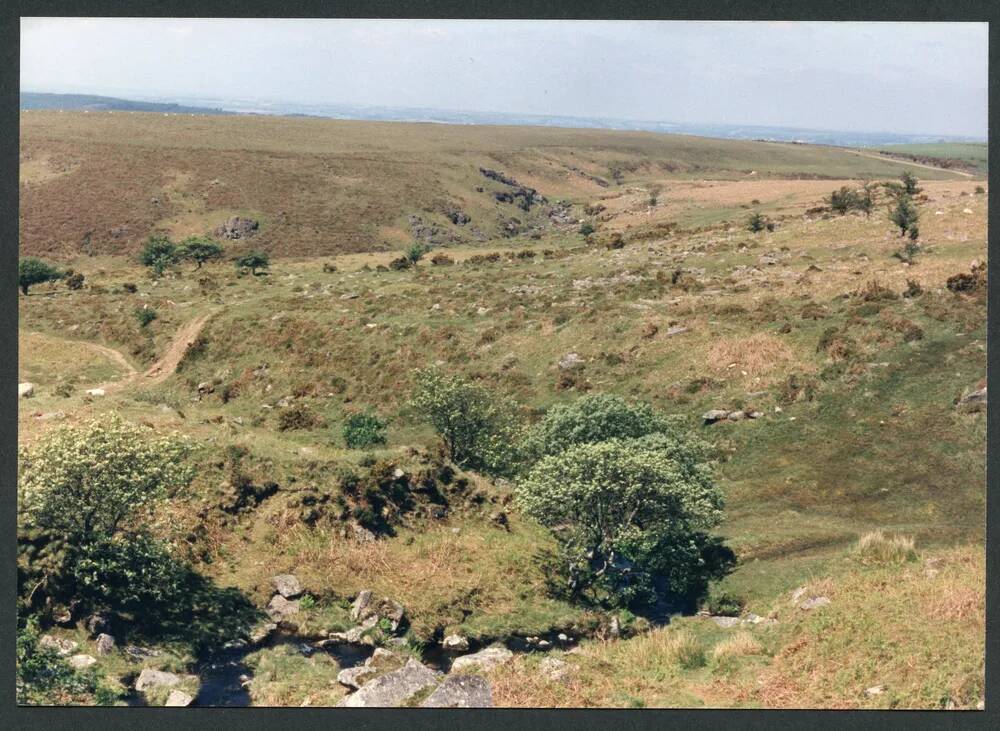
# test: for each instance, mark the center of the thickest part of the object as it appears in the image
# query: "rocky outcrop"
(150, 678)
(972, 401)
(237, 227)
(280, 609)
(61, 646)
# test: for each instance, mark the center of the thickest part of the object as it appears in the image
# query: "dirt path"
(909, 162)
(167, 363)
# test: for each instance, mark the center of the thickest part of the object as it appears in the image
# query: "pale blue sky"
(923, 78)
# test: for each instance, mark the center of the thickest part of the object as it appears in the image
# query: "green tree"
(480, 429)
(88, 482)
(363, 430)
(200, 249)
(904, 215)
(866, 200)
(594, 418)
(415, 252)
(909, 181)
(31, 271)
(253, 260)
(632, 517)
(158, 254)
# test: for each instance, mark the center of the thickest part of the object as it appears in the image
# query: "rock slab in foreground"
(483, 660)
(392, 689)
(461, 691)
(150, 678)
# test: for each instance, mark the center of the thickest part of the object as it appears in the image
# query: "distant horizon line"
(186, 100)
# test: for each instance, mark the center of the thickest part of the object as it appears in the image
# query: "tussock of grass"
(758, 354)
(878, 548)
(740, 644)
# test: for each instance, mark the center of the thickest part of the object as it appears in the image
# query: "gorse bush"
(415, 252)
(363, 430)
(756, 222)
(632, 517)
(480, 429)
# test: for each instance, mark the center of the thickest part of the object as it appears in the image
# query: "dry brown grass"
(755, 355)
(877, 547)
(740, 644)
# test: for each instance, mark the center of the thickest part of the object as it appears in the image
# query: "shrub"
(904, 215)
(586, 228)
(593, 418)
(725, 604)
(298, 416)
(31, 271)
(756, 222)
(145, 315)
(130, 287)
(631, 517)
(878, 548)
(200, 249)
(43, 677)
(480, 429)
(253, 260)
(363, 430)
(843, 200)
(74, 280)
(442, 260)
(980, 190)
(415, 252)
(400, 263)
(909, 181)
(158, 254)
(87, 482)
(329, 268)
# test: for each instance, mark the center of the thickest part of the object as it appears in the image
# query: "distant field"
(101, 182)
(974, 155)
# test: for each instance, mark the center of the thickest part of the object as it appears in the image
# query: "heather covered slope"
(99, 182)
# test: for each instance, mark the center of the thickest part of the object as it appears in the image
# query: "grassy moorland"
(806, 324)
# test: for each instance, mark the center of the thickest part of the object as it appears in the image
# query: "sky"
(917, 78)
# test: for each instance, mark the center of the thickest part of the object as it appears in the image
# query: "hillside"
(99, 183)
(848, 356)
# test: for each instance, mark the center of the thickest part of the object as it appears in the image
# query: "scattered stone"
(358, 634)
(710, 417)
(362, 534)
(798, 594)
(279, 608)
(25, 390)
(105, 644)
(82, 661)
(63, 647)
(362, 604)
(138, 654)
(392, 689)
(483, 660)
(874, 691)
(287, 585)
(814, 603)
(552, 668)
(95, 392)
(206, 387)
(97, 624)
(150, 678)
(461, 691)
(178, 699)
(726, 622)
(972, 401)
(455, 643)
(571, 362)
(676, 330)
